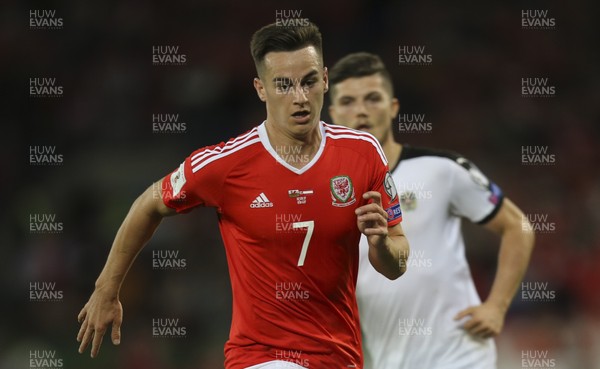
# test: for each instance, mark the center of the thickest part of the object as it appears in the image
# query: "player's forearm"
(389, 258)
(515, 251)
(137, 228)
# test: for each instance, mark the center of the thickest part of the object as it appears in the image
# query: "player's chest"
(272, 199)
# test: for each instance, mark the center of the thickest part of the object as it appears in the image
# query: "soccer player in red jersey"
(293, 196)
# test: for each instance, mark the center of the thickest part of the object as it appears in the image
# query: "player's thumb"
(116, 332)
(463, 313)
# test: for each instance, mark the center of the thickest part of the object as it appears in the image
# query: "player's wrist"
(107, 288)
(500, 305)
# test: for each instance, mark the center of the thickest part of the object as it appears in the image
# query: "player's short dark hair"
(274, 37)
(356, 65)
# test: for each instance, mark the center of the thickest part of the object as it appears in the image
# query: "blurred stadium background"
(102, 126)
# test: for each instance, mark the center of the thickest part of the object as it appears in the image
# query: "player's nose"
(300, 95)
(361, 110)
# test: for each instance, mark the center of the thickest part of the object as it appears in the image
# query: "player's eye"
(309, 83)
(373, 98)
(283, 88)
(283, 83)
(345, 101)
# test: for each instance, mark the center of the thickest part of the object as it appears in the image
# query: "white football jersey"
(409, 323)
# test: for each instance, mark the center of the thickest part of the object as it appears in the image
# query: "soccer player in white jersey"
(433, 318)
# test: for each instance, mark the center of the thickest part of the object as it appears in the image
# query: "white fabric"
(277, 364)
(409, 323)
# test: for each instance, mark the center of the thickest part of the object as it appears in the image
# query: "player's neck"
(296, 151)
(392, 151)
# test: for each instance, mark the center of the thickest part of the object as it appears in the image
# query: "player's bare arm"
(388, 247)
(487, 319)
(104, 310)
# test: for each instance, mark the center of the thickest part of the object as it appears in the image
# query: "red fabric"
(281, 311)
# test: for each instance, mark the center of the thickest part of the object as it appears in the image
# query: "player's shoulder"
(360, 141)
(427, 155)
(445, 161)
(227, 151)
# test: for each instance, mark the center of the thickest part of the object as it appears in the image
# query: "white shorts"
(277, 364)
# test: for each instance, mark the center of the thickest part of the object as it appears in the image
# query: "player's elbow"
(395, 274)
(392, 270)
(402, 259)
(390, 259)
(400, 270)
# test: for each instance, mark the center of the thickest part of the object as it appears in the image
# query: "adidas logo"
(261, 201)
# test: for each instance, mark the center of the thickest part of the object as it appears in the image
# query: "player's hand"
(372, 219)
(100, 312)
(486, 320)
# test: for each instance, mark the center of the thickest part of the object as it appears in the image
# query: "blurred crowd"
(102, 125)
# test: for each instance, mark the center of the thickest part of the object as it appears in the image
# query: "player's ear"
(326, 79)
(260, 89)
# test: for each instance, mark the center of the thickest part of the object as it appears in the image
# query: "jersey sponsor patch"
(342, 191)
(299, 195)
(496, 193)
(394, 212)
(178, 180)
(390, 186)
(261, 201)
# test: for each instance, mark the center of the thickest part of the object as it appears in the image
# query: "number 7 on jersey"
(310, 225)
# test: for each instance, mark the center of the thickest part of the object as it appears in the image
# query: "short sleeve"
(198, 181)
(384, 184)
(473, 195)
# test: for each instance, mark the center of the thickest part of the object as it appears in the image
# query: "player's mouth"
(364, 127)
(301, 116)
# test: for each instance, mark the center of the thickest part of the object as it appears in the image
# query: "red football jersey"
(291, 240)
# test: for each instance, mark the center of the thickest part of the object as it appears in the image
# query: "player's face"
(364, 103)
(293, 83)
